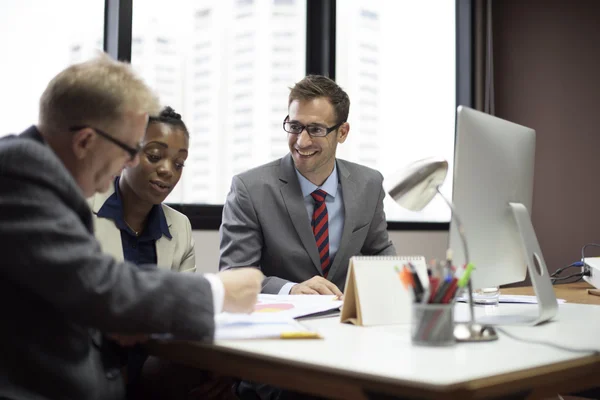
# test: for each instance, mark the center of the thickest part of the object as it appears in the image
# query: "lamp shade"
(415, 186)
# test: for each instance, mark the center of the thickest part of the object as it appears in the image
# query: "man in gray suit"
(302, 217)
(58, 291)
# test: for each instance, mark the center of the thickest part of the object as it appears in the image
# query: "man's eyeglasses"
(296, 128)
(133, 151)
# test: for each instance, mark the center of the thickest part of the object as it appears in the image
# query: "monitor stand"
(538, 272)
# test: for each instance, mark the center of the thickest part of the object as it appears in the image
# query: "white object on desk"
(493, 189)
(386, 353)
(593, 263)
(514, 298)
(296, 306)
(374, 293)
(256, 326)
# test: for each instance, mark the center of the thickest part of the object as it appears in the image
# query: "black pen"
(417, 281)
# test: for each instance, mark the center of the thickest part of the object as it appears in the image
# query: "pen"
(439, 294)
(465, 276)
(300, 335)
(417, 281)
(450, 291)
(449, 262)
(433, 286)
(595, 292)
(404, 276)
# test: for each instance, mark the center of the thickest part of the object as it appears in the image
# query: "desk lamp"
(413, 188)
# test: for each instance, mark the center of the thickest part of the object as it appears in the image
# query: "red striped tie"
(320, 227)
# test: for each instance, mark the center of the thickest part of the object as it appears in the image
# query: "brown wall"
(547, 77)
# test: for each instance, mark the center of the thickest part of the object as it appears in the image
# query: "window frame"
(320, 59)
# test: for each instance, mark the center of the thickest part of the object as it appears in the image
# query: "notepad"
(374, 294)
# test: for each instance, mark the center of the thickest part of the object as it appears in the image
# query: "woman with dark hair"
(130, 221)
(132, 224)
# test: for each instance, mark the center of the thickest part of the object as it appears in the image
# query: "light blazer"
(176, 254)
(265, 223)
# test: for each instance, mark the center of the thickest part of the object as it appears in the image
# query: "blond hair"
(95, 92)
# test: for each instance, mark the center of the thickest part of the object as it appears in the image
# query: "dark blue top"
(140, 250)
(136, 249)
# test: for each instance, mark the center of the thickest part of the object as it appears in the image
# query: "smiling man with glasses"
(302, 217)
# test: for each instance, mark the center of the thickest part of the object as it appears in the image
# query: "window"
(38, 39)
(224, 65)
(397, 61)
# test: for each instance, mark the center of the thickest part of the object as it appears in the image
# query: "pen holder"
(433, 324)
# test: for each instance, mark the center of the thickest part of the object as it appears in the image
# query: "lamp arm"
(463, 238)
(460, 228)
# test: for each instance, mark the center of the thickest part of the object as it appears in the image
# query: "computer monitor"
(493, 191)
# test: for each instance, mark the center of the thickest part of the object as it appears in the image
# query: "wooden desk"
(353, 362)
(571, 292)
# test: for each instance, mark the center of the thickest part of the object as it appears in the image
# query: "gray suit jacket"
(58, 290)
(265, 223)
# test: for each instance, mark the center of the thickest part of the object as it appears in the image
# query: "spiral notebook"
(374, 294)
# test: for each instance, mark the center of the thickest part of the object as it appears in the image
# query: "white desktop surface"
(386, 353)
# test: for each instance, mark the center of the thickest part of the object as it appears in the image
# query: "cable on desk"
(592, 352)
(586, 246)
(560, 270)
(579, 275)
(554, 276)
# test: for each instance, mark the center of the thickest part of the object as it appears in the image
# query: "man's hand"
(242, 286)
(129, 339)
(316, 285)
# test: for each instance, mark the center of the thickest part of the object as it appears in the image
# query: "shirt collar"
(113, 209)
(330, 185)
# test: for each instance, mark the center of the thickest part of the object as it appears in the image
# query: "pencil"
(300, 335)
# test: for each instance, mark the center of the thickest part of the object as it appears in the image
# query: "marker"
(417, 281)
(464, 279)
(404, 276)
(448, 266)
(433, 286)
(439, 294)
(300, 335)
(450, 291)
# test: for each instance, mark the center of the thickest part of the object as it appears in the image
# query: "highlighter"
(300, 335)
(464, 279)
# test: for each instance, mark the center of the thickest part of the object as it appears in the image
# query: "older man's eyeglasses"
(133, 151)
(296, 128)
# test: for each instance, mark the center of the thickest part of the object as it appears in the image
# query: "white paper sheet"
(254, 326)
(296, 306)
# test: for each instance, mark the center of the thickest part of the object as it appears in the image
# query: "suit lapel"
(294, 202)
(165, 247)
(351, 208)
(105, 230)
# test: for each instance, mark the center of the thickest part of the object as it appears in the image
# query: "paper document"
(274, 317)
(514, 298)
(260, 326)
(296, 306)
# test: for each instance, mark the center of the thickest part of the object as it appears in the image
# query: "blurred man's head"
(316, 122)
(94, 116)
